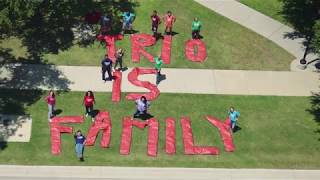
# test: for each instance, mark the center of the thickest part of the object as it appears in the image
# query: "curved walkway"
(133, 173)
(259, 23)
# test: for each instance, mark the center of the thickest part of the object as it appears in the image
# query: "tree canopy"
(45, 25)
(303, 15)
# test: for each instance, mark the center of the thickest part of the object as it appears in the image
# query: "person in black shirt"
(106, 65)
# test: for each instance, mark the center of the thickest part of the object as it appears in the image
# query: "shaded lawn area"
(271, 8)
(229, 45)
(277, 132)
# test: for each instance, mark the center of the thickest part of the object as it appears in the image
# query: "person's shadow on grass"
(236, 129)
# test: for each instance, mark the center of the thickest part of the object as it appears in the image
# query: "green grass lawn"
(271, 8)
(229, 45)
(277, 132)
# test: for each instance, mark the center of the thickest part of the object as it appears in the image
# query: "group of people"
(107, 65)
(127, 19)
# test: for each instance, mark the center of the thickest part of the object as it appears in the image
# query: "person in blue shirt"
(234, 116)
(106, 66)
(80, 141)
(127, 20)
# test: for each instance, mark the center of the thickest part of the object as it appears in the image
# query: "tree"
(44, 26)
(316, 39)
(302, 15)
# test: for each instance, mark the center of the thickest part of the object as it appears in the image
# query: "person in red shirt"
(155, 19)
(51, 101)
(92, 17)
(88, 102)
(169, 20)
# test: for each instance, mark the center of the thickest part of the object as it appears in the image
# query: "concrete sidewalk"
(259, 23)
(195, 81)
(126, 173)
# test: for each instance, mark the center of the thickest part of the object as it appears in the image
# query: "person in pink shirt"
(169, 20)
(51, 100)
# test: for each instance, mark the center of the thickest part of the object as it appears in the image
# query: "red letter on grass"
(195, 50)
(126, 136)
(189, 147)
(225, 132)
(56, 130)
(133, 78)
(170, 136)
(116, 86)
(166, 49)
(138, 42)
(102, 122)
(110, 44)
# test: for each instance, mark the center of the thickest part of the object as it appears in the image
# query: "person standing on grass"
(233, 116)
(80, 141)
(88, 102)
(169, 20)
(119, 55)
(142, 105)
(106, 24)
(196, 26)
(155, 19)
(51, 101)
(106, 65)
(127, 20)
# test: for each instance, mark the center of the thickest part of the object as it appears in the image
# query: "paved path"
(196, 81)
(259, 23)
(133, 173)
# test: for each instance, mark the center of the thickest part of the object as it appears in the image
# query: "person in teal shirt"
(196, 26)
(127, 20)
(233, 116)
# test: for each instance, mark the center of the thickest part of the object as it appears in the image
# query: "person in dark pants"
(196, 26)
(155, 19)
(80, 141)
(142, 105)
(106, 24)
(106, 64)
(119, 55)
(88, 102)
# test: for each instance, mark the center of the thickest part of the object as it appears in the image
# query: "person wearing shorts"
(233, 116)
